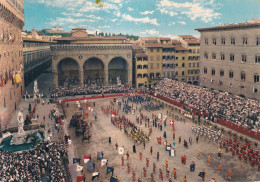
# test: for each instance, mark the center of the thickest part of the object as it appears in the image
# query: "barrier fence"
(228, 124)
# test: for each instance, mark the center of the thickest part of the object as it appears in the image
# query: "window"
(232, 57)
(256, 78)
(221, 73)
(145, 75)
(182, 73)
(158, 65)
(183, 58)
(233, 41)
(4, 103)
(244, 40)
(198, 51)
(198, 64)
(139, 66)
(190, 50)
(222, 56)
(151, 65)
(176, 65)
(243, 76)
(189, 65)
(231, 74)
(206, 56)
(255, 90)
(206, 41)
(151, 58)
(163, 65)
(193, 65)
(223, 41)
(214, 56)
(163, 57)
(176, 58)
(139, 75)
(214, 41)
(151, 75)
(213, 71)
(183, 65)
(151, 49)
(257, 40)
(176, 73)
(243, 58)
(158, 75)
(205, 70)
(158, 49)
(158, 58)
(193, 51)
(145, 66)
(257, 59)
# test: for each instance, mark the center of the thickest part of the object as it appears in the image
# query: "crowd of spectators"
(233, 108)
(72, 90)
(31, 165)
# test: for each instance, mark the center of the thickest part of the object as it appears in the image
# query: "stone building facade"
(11, 59)
(88, 60)
(193, 64)
(230, 58)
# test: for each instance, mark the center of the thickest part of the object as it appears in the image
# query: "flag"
(171, 122)
(103, 162)
(76, 160)
(86, 159)
(113, 179)
(172, 153)
(99, 155)
(95, 175)
(201, 174)
(168, 147)
(79, 168)
(80, 179)
(113, 114)
(10, 38)
(90, 166)
(110, 169)
(85, 114)
(121, 150)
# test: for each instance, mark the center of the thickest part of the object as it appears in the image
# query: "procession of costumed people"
(233, 108)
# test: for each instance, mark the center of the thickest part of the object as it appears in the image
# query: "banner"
(86, 159)
(103, 162)
(121, 150)
(79, 168)
(90, 166)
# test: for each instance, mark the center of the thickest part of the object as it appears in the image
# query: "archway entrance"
(68, 72)
(93, 71)
(117, 70)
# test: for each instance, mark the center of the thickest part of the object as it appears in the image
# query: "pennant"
(85, 114)
(99, 155)
(90, 166)
(103, 162)
(121, 150)
(113, 114)
(113, 179)
(110, 169)
(76, 160)
(86, 159)
(79, 168)
(171, 122)
(95, 175)
(172, 153)
(80, 179)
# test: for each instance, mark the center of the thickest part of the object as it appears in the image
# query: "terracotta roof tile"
(180, 48)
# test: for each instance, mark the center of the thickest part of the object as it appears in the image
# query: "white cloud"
(197, 9)
(150, 32)
(117, 13)
(172, 23)
(140, 20)
(66, 21)
(182, 22)
(147, 12)
(114, 20)
(170, 36)
(130, 9)
(105, 26)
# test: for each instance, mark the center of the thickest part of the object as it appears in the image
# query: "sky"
(164, 18)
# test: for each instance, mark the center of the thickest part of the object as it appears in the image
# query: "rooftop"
(35, 40)
(89, 38)
(153, 45)
(248, 24)
(187, 37)
(180, 48)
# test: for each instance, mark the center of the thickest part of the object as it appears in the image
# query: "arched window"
(244, 40)
(222, 56)
(232, 57)
(243, 76)
(221, 72)
(139, 75)
(205, 70)
(232, 41)
(258, 40)
(256, 78)
(213, 71)
(214, 56)
(206, 55)
(231, 74)
(223, 40)
(183, 65)
(206, 41)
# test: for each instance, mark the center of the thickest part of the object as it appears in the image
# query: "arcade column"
(55, 78)
(81, 76)
(106, 75)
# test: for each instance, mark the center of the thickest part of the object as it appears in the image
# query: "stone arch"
(68, 71)
(118, 67)
(94, 71)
